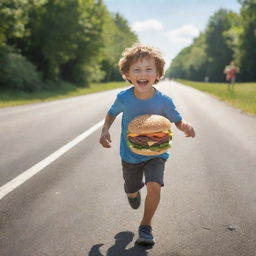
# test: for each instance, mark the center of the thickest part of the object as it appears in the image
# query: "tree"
(16, 71)
(211, 51)
(217, 48)
(228, 36)
(74, 40)
(247, 41)
(233, 34)
(66, 39)
(118, 36)
(191, 62)
(85, 66)
(14, 16)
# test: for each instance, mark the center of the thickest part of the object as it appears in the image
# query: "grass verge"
(57, 91)
(243, 96)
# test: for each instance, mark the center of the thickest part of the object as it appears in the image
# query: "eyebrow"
(149, 66)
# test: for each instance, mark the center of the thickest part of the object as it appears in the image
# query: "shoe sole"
(145, 242)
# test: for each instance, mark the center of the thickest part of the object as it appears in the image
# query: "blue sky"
(170, 25)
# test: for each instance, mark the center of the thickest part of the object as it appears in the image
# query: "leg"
(154, 175)
(232, 84)
(229, 85)
(133, 175)
(151, 202)
(154, 172)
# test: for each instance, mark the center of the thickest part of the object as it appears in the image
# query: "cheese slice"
(133, 134)
(150, 143)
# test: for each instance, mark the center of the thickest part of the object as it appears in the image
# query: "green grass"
(243, 97)
(58, 91)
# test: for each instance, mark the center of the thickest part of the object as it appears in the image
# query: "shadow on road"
(119, 248)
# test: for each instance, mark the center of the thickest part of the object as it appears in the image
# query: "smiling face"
(143, 74)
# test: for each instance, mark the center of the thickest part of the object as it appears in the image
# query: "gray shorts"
(152, 169)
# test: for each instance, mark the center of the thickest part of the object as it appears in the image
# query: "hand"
(188, 129)
(105, 139)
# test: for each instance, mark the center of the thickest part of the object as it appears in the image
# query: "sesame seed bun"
(147, 124)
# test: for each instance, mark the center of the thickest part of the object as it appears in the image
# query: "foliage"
(75, 40)
(66, 39)
(16, 72)
(217, 49)
(247, 41)
(232, 35)
(228, 36)
(116, 40)
(191, 61)
(14, 18)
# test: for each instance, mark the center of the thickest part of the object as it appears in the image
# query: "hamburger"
(149, 135)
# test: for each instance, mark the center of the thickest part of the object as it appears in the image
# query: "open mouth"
(142, 82)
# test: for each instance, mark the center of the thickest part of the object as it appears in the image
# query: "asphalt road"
(76, 205)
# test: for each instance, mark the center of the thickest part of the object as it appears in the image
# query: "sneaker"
(145, 235)
(135, 202)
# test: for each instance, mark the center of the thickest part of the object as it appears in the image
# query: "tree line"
(78, 41)
(229, 36)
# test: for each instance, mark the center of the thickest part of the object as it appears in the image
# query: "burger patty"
(143, 140)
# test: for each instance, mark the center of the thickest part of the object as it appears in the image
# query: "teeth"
(143, 81)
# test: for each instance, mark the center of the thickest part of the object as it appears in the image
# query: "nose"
(143, 73)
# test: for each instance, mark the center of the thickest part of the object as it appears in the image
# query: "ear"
(125, 76)
(158, 76)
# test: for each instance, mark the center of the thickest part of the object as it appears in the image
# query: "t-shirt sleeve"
(171, 112)
(117, 107)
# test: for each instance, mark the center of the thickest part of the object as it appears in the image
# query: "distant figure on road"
(230, 72)
(143, 66)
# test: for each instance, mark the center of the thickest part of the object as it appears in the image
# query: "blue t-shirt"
(128, 104)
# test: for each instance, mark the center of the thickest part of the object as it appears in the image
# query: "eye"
(149, 69)
(136, 69)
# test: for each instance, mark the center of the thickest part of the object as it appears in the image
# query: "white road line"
(26, 175)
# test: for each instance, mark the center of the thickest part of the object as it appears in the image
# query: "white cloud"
(184, 34)
(147, 25)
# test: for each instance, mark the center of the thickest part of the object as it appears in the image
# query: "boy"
(142, 66)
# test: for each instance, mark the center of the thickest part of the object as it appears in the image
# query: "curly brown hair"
(138, 51)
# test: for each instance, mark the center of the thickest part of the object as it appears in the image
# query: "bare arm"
(186, 127)
(105, 139)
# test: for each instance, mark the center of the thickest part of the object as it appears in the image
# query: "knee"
(153, 187)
